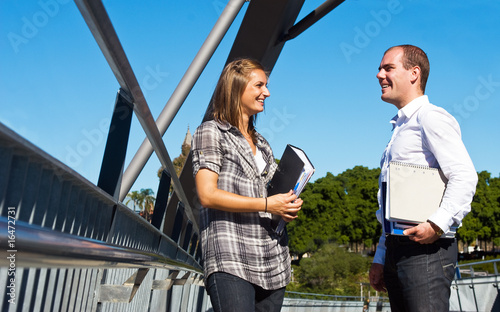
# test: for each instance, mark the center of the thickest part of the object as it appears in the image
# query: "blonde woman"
(246, 264)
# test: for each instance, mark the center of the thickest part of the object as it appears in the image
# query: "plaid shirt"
(239, 243)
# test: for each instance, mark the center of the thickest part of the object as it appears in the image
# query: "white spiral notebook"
(414, 192)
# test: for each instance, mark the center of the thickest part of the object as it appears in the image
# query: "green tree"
(147, 201)
(341, 209)
(144, 200)
(320, 218)
(331, 270)
(494, 186)
(179, 161)
(482, 222)
(361, 187)
(337, 209)
(133, 197)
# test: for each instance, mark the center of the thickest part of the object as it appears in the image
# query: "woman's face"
(252, 100)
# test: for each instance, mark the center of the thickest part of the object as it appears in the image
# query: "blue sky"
(58, 91)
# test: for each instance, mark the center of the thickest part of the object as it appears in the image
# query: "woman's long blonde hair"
(226, 103)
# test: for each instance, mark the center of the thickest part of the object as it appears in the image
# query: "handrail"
(44, 248)
(294, 294)
(478, 263)
(471, 264)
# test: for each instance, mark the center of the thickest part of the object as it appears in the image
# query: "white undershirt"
(259, 160)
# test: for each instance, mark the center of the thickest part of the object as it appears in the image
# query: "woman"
(246, 264)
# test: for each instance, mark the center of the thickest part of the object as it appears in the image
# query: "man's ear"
(415, 74)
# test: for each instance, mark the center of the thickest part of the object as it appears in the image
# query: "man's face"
(394, 79)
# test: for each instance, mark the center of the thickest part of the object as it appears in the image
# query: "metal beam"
(116, 146)
(98, 21)
(262, 29)
(311, 18)
(181, 92)
(161, 199)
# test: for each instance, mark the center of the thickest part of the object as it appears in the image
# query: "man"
(417, 268)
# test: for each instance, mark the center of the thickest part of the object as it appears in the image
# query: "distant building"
(186, 145)
(179, 161)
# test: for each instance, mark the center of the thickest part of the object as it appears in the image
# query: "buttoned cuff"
(380, 252)
(442, 219)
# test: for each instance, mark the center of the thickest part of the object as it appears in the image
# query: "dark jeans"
(417, 276)
(229, 293)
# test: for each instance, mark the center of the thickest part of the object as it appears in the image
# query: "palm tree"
(135, 197)
(147, 202)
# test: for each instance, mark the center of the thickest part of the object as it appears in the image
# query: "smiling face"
(399, 85)
(252, 99)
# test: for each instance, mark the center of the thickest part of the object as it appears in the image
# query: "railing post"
(161, 199)
(178, 223)
(116, 146)
(187, 235)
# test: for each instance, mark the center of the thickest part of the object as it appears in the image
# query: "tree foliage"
(483, 222)
(332, 271)
(337, 209)
(144, 200)
(179, 161)
(341, 209)
(134, 197)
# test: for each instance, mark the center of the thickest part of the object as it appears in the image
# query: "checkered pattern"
(242, 244)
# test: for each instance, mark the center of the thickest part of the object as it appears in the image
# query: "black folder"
(288, 172)
(292, 173)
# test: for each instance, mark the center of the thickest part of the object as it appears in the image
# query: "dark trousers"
(418, 276)
(229, 293)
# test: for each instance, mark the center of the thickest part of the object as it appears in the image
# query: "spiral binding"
(413, 165)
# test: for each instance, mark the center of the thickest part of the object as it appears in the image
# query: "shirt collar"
(223, 125)
(413, 106)
(226, 126)
(409, 109)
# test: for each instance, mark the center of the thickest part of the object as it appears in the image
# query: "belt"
(405, 240)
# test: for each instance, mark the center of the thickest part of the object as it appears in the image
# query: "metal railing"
(474, 290)
(468, 268)
(69, 245)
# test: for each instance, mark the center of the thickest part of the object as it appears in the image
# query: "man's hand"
(424, 233)
(377, 277)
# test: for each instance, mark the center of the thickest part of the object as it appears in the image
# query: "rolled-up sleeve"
(206, 149)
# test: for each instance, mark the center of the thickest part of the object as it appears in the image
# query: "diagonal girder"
(100, 25)
(181, 91)
(311, 18)
(262, 28)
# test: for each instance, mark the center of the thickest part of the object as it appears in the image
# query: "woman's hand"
(210, 196)
(286, 205)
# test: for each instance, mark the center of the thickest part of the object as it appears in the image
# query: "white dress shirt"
(425, 134)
